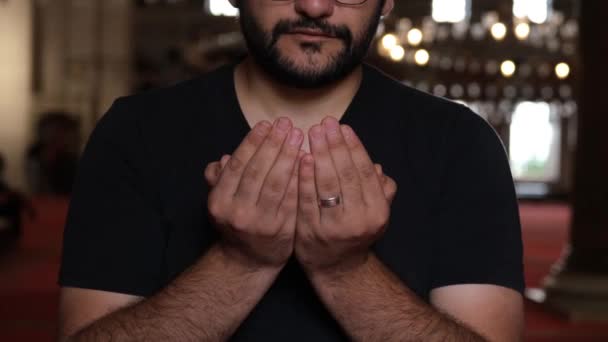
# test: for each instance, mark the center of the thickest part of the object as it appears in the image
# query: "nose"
(315, 8)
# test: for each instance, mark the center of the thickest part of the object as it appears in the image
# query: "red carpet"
(28, 290)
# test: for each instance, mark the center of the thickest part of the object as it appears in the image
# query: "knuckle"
(276, 186)
(254, 139)
(215, 209)
(334, 143)
(306, 177)
(236, 164)
(291, 195)
(276, 139)
(252, 172)
(308, 199)
(356, 145)
(327, 184)
(289, 152)
(348, 174)
(368, 171)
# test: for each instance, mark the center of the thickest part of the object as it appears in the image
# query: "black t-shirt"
(138, 214)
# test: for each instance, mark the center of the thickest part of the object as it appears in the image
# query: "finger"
(370, 183)
(348, 176)
(230, 178)
(276, 182)
(326, 179)
(378, 169)
(212, 173)
(308, 205)
(257, 169)
(390, 188)
(382, 178)
(224, 161)
(289, 204)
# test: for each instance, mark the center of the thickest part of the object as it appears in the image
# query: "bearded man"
(288, 237)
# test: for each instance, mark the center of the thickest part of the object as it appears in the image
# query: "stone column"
(15, 85)
(579, 284)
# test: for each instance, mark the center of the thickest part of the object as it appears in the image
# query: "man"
(289, 237)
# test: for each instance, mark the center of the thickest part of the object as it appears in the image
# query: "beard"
(263, 48)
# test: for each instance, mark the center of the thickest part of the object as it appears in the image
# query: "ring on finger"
(330, 202)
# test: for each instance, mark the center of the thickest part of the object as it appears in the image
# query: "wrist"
(233, 256)
(345, 268)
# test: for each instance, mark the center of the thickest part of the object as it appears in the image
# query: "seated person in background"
(11, 205)
(289, 238)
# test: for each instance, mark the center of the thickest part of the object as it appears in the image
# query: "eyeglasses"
(341, 2)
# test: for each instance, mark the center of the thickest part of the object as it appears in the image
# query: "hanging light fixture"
(522, 31)
(562, 70)
(508, 68)
(397, 53)
(389, 41)
(414, 37)
(499, 31)
(422, 57)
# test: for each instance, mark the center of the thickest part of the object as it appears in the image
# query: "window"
(451, 11)
(535, 10)
(221, 8)
(535, 142)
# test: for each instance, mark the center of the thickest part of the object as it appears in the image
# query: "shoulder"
(423, 110)
(428, 123)
(164, 108)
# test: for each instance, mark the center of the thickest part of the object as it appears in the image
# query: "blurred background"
(534, 69)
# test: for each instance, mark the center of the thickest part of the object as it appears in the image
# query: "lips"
(309, 32)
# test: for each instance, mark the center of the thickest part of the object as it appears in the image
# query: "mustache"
(286, 26)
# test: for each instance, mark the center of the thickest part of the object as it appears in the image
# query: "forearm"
(207, 302)
(372, 304)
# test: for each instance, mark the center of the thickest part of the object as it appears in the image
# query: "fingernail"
(346, 131)
(295, 137)
(263, 127)
(316, 132)
(308, 159)
(283, 124)
(331, 124)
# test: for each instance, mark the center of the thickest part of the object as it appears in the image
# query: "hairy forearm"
(208, 302)
(372, 304)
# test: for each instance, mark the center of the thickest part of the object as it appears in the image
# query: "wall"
(15, 85)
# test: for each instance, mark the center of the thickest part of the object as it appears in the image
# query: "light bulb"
(389, 41)
(422, 57)
(522, 31)
(414, 37)
(562, 70)
(499, 31)
(508, 68)
(397, 53)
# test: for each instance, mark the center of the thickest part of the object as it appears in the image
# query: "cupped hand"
(339, 237)
(253, 199)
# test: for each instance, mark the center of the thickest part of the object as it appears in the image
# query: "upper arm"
(494, 312)
(477, 264)
(477, 229)
(78, 308)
